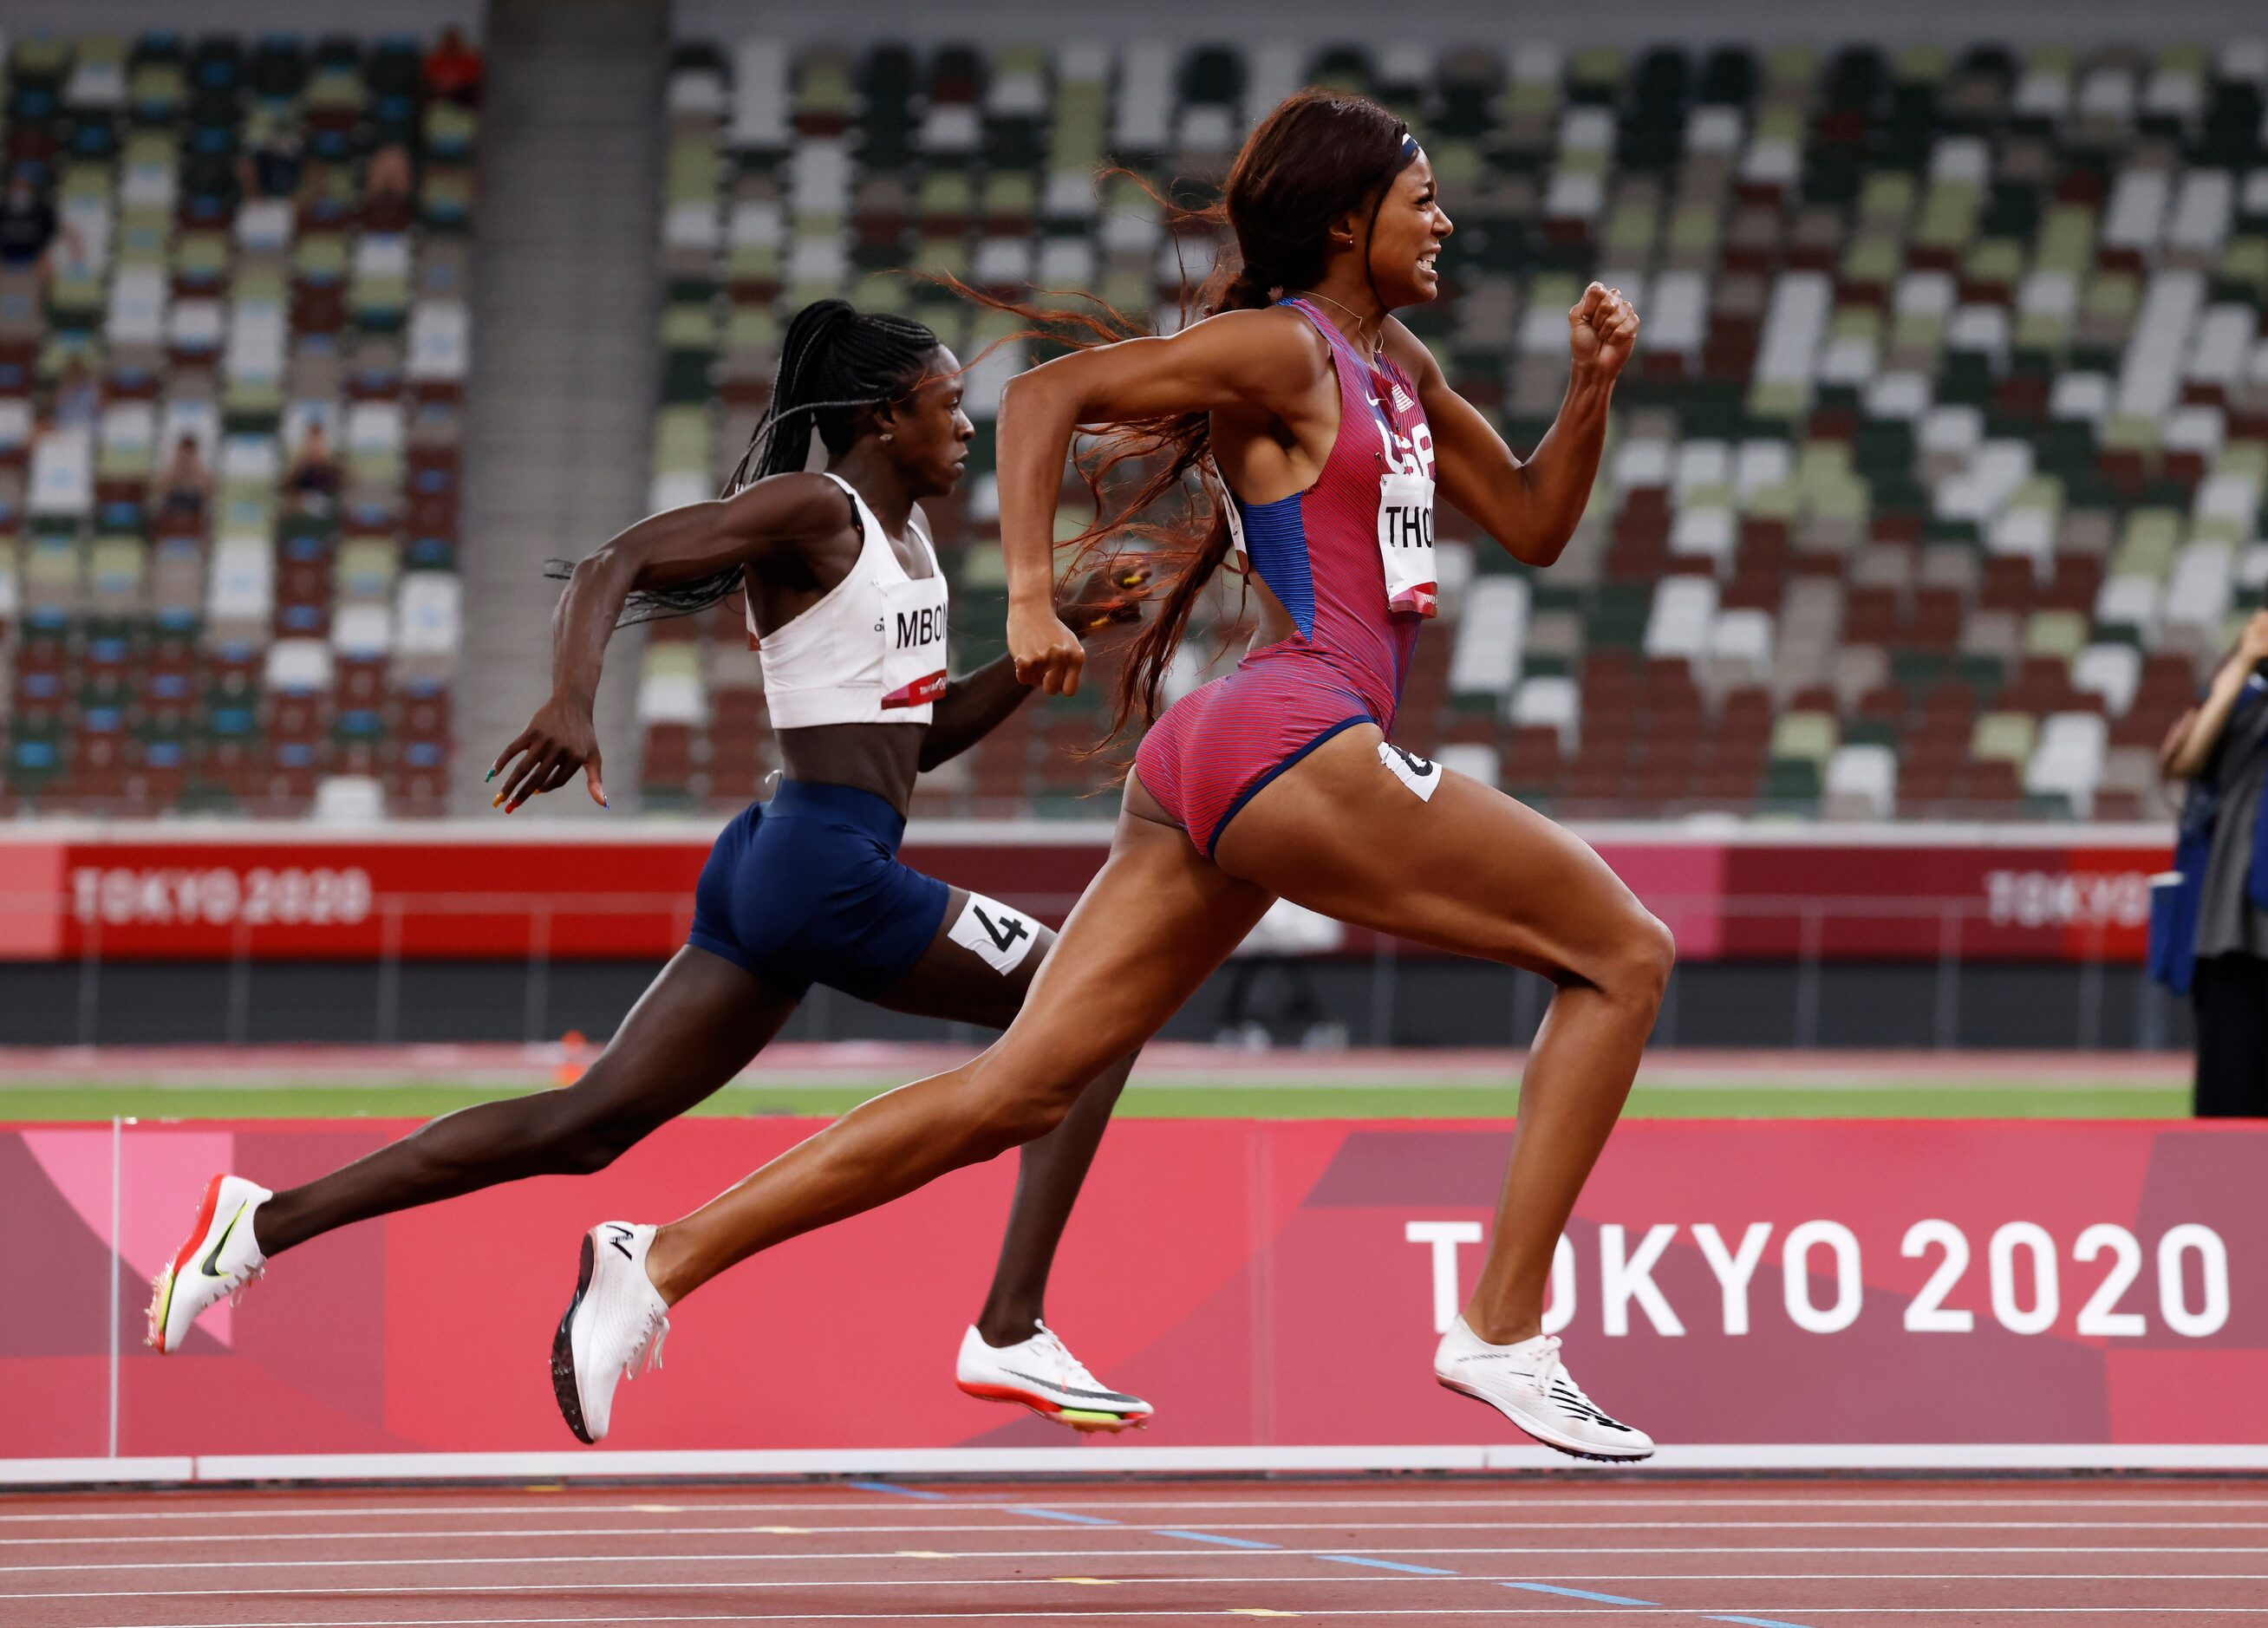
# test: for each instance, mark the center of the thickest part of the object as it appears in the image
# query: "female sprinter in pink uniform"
(1329, 425)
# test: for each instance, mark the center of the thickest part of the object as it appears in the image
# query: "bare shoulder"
(797, 505)
(1276, 342)
(1266, 365)
(1238, 362)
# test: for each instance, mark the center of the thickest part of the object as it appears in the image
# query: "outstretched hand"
(1111, 593)
(559, 740)
(1601, 330)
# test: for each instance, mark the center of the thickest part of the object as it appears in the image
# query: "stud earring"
(889, 436)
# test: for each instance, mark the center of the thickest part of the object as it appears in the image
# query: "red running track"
(1765, 1553)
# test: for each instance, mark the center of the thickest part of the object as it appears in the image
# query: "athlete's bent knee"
(1011, 1118)
(587, 1154)
(587, 1145)
(1643, 958)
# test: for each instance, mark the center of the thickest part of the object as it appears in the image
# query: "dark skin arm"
(973, 706)
(785, 513)
(1530, 506)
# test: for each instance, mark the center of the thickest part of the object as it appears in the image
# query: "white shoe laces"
(1549, 1368)
(1074, 1368)
(1553, 1379)
(648, 1344)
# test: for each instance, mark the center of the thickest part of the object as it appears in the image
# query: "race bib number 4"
(1001, 937)
(1405, 542)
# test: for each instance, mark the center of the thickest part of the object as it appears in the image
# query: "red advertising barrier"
(473, 890)
(1273, 1283)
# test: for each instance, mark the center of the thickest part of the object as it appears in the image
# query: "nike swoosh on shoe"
(1068, 1390)
(213, 1256)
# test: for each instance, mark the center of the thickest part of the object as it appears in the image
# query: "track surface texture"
(1764, 1553)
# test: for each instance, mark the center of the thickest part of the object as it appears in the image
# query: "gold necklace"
(1356, 321)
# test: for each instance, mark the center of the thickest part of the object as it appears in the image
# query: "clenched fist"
(1601, 330)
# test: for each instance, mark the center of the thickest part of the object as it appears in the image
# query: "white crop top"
(870, 650)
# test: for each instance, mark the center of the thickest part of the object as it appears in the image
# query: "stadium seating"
(279, 624)
(1934, 487)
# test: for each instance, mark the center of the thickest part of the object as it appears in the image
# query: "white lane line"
(1238, 1582)
(1720, 1613)
(790, 1558)
(688, 1503)
(1404, 1579)
(616, 1530)
(1607, 1501)
(1586, 1574)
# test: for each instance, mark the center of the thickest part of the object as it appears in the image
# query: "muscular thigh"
(1151, 927)
(978, 967)
(1465, 868)
(696, 1026)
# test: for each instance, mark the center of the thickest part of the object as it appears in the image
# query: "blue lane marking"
(1388, 1565)
(1064, 1515)
(886, 1487)
(1209, 1537)
(1581, 1594)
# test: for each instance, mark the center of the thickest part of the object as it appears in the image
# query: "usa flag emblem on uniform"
(1402, 401)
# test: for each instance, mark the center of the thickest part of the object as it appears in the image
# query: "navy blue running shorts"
(806, 888)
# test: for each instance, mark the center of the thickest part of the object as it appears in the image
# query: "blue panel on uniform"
(1276, 542)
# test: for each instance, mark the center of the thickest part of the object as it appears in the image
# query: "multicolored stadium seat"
(229, 415)
(1934, 488)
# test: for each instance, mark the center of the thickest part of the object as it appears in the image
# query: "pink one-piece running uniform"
(1350, 559)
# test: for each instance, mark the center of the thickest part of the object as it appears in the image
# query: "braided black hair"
(834, 360)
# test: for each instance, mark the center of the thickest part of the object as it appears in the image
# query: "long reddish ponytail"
(1318, 157)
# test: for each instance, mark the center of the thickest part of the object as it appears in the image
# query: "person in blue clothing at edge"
(2209, 917)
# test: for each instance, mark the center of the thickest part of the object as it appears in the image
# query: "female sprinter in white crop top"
(848, 605)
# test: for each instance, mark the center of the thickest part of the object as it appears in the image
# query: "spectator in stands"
(453, 69)
(28, 224)
(328, 196)
(385, 187)
(275, 156)
(179, 495)
(315, 478)
(2220, 747)
(78, 400)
